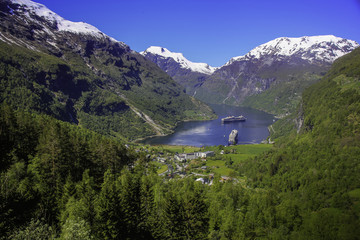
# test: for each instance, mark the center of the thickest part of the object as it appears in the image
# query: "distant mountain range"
(270, 77)
(189, 74)
(76, 73)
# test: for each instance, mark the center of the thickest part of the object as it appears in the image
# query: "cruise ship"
(240, 118)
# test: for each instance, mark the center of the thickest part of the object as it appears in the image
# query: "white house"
(205, 154)
(190, 156)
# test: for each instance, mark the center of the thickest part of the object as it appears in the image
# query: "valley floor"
(221, 163)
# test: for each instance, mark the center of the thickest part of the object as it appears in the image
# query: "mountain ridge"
(303, 46)
(270, 77)
(179, 57)
(188, 74)
(58, 21)
(118, 86)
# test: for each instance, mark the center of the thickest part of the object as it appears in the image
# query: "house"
(180, 157)
(209, 154)
(185, 156)
(162, 160)
(190, 156)
(205, 154)
(202, 180)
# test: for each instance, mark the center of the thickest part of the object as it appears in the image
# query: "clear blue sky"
(212, 31)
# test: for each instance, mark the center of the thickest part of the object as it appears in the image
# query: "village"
(201, 164)
(179, 165)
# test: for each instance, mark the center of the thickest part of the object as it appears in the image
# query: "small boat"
(233, 137)
(240, 118)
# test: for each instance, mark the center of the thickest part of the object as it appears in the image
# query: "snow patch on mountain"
(61, 23)
(179, 58)
(323, 48)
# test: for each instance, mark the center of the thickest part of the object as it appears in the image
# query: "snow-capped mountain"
(189, 74)
(272, 76)
(37, 13)
(164, 53)
(32, 25)
(79, 74)
(29, 8)
(315, 48)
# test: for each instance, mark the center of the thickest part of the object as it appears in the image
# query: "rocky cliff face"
(113, 74)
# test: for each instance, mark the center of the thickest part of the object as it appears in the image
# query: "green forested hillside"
(283, 98)
(111, 104)
(86, 77)
(317, 171)
(59, 181)
(40, 157)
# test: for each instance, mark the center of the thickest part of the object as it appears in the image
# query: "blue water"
(209, 133)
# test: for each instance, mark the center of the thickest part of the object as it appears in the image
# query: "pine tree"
(86, 195)
(67, 193)
(130, 202)
(196, 220)
(8, 132)
(109, 216)
(174, 217)
(148, 211)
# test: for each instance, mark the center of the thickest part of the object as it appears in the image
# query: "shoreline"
(172, 131)
(138, 140)
(156, 139)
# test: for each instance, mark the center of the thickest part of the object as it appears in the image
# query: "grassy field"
(161, 168)
(236, 153)
(243, 152)
(176, 149)
(216, 164)
(250, 149)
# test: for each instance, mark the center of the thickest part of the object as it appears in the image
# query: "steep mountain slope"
(76, 73)
(272, 76)
(315, 173)
(189, 74)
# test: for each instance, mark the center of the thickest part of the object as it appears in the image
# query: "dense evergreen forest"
(66, 171)
(61, 181)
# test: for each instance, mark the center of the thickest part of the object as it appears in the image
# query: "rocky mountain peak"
(325, 48)
(180, 59)
(46, 22)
